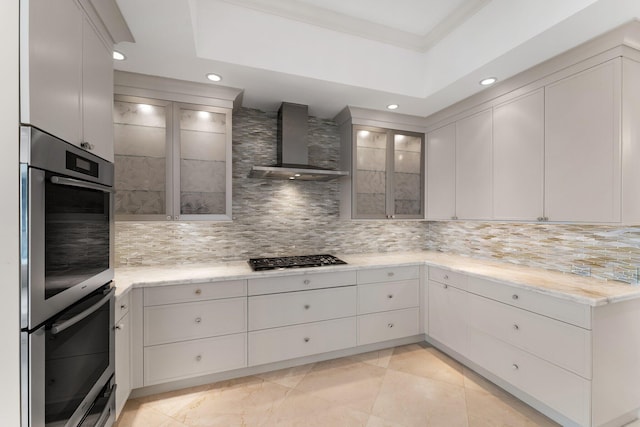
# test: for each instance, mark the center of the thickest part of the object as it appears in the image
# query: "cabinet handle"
(516, 327)
(445, 286)
(120, 326)
(123, 307)
(307, 306)
(198, 291)
(87, 145)
(390, 274)
(546, 218)
(198, 320)
(515, 296)
(389, 325)
(446, 277)
(515, 367)
(198, 358)
(168, 217)
(540, 219)
(177, 217)
(307, 339)
(306, 281)
(390, 296)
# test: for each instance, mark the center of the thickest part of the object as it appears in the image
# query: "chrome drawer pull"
(120, 326)
(515, 367)
(445, 286)
(198, 319)
(123, 307)
(306, 281)
(390, 325)
(307, 339)
(516, 327)
(198, 291)
(390, 274)
(446, 277)
(198, 358)
(390, 296)
(307, 306)
(515, 296)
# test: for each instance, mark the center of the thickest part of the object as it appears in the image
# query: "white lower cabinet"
(388, 325)
(196, 357)
(122, 352)
(448, 316)
(273, 345)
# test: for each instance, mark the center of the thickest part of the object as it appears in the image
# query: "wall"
(9, 232)
(605, 251)
(271, 218)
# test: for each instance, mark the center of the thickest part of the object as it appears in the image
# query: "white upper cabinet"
(582, 146)
(66, 79)
(474, 166)
(441, 173)
(518, 158)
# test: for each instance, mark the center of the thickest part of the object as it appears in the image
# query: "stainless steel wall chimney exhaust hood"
(293, 154)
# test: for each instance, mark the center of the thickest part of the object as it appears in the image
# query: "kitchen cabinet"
(66, 82)
(388, 174)
(122, 351)
(582, 146)
(441, 173)
(172, 160)
(518, 158)
(447, 310)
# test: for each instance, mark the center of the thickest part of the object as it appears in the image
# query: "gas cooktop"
(279, 263)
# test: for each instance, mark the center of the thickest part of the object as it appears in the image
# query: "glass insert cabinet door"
(173, 160)
(389, 174)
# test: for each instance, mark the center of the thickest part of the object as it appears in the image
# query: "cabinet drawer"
(192, 358)
(272, 345)
(290, 308)
(122, 305)
(451, 278)
(385, 274)
(194, 292)
(388, 296)
(560, 343)
(179, 322)
(547, 305)
(561, 390)
(386, 326)
(447, 315)
(301, 282)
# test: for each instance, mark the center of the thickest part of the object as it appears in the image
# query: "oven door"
(66, 242)
(68, 365)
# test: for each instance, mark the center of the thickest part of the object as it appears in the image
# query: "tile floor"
(413, 385)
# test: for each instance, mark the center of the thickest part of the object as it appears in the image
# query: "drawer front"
(547, 305)
(561, 390)
(122, 305)
(301, 282)
(451, 278)
(386, 326)
(388, 296)
(192, 358)
(386, 274)
(560, 343)
(180, 322)
(272, 345)
(171, 294)
(291, 308)
(447, 316)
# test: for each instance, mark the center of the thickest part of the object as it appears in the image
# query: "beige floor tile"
(489, 410)
(418, 401)
(379, 358)
(474, 381)
(169, 403)
(135, 415)
(290, 377)
(375, 421)
(426, 362)
(345, 382)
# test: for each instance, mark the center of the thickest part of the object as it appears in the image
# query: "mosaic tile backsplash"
(273, 218)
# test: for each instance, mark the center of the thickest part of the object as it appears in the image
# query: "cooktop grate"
(277, 263)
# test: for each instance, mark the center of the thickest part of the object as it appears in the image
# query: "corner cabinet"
(172, 159)
(66, 69)
(385, 153)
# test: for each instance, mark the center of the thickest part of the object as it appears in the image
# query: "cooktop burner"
(278, 263)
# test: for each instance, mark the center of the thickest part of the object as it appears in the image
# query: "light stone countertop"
(585, 290)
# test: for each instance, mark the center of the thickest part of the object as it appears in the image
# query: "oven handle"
(78, 183)
(56, 328)
(104, 415)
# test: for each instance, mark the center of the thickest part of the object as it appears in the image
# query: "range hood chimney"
(293, 153)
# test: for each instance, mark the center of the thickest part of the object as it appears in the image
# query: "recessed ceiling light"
(214, 77)
(488, 81)
(118, 56)
(392, 106)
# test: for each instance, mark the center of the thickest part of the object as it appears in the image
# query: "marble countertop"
(581, 289)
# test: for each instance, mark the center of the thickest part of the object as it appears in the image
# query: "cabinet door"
(370, 178)
(518, 158)
(123, 363)
(97, 94)
(474, 166)
(408, 182)
(141, 150)
(51, 67)
(447, 316)
(582, 147)
(441, 173)
(201, 136)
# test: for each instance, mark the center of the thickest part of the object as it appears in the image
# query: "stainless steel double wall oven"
(67, 300)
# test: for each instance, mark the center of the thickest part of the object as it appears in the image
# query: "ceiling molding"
(328, 19)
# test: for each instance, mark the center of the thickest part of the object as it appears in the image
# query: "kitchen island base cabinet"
(289, 342)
